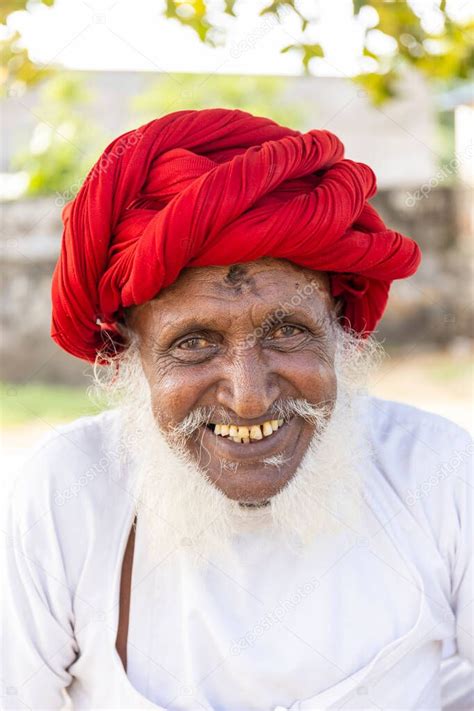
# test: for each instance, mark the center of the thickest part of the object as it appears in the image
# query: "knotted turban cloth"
(217, 187)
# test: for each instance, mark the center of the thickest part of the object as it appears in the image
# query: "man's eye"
(287, 331)
(194, 344)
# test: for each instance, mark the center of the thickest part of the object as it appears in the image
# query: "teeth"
(256, 432)
(244, 434)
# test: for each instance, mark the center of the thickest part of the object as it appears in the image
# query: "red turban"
(216, 187)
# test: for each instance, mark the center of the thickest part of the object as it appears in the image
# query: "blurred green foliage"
(446, 54)
(261, 95)
(445, 138)
(16, 67)
(50, 403)
(64, 143)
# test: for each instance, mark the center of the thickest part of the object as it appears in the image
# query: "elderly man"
(246, 529)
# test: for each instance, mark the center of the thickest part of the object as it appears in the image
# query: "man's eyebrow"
(178, 326)
(268, 318)
(281, 315)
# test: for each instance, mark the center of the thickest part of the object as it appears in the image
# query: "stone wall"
(431, 308)
(31, 232)
(435, 305)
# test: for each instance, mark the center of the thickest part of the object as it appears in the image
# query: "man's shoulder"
(390, 418)
(426, 458)
(389, 412)
(75, 463)
(69, 445)
(70, 502)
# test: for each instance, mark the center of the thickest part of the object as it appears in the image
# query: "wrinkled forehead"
(257, 288)
(258, 278)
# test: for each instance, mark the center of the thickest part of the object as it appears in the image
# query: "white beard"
(177, 505)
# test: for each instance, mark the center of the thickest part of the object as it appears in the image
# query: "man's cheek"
(169, 402)
(318, 382)
(164, 414)
(162, 381)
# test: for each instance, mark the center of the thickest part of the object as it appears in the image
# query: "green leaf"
(229, 7)
(310, 51)
(358, 5)
(274, 7)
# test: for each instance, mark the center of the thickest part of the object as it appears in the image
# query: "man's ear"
(338, 306)
(124, 325)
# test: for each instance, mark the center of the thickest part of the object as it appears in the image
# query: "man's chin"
(253, 483)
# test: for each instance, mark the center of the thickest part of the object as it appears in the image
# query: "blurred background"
(392, 79)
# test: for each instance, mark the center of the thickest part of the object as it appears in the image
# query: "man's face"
(239, 340)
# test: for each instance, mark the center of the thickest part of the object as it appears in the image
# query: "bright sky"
(119, 34)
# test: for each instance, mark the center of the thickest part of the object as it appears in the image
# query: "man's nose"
(248, 387)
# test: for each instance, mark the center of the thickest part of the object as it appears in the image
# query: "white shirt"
(363, 620)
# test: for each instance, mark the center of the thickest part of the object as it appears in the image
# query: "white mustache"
(316, 414)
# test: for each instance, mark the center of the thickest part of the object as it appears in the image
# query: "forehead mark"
(238, 279)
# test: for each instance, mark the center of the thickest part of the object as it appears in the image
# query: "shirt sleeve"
(462, 569)
(38, 644)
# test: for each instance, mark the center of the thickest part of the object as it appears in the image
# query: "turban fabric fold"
(218, 187)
